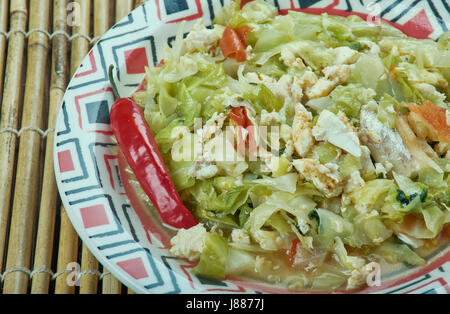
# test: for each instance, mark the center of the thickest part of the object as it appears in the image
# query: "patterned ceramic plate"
(128, 241)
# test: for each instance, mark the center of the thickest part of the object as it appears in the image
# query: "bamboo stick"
(49, 196)
(9, 118)
(27, 175)
(4, 4)
(80, 45)
(110, 284)
(89, 280)
(102, 21)
(123, 8)
(68, 242)
(67, 254)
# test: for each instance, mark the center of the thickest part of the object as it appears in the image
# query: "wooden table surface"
(42, 43)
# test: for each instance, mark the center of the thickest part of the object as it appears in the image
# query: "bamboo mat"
(42, 43)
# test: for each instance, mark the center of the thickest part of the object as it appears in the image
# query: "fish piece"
(420, 157)
(385, 144)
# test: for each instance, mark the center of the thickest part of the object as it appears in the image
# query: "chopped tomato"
(292, 252)
(143, 86)
(232, 45)
(411, 221)
(444, 234)
(245, 139)
(446, 231)
(435, 117)
(239, 115)
(244, 2)
(243, 32)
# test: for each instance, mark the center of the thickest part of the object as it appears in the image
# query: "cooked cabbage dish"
(311, 149)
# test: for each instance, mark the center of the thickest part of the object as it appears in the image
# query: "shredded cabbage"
(349, 200)
(214, 257)
(398, 252)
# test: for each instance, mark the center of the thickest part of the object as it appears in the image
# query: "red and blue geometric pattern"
(125, 237)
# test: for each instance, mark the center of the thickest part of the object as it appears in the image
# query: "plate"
(103, 207)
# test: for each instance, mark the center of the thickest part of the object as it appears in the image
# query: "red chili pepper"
(232, 45)
(142, 154)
